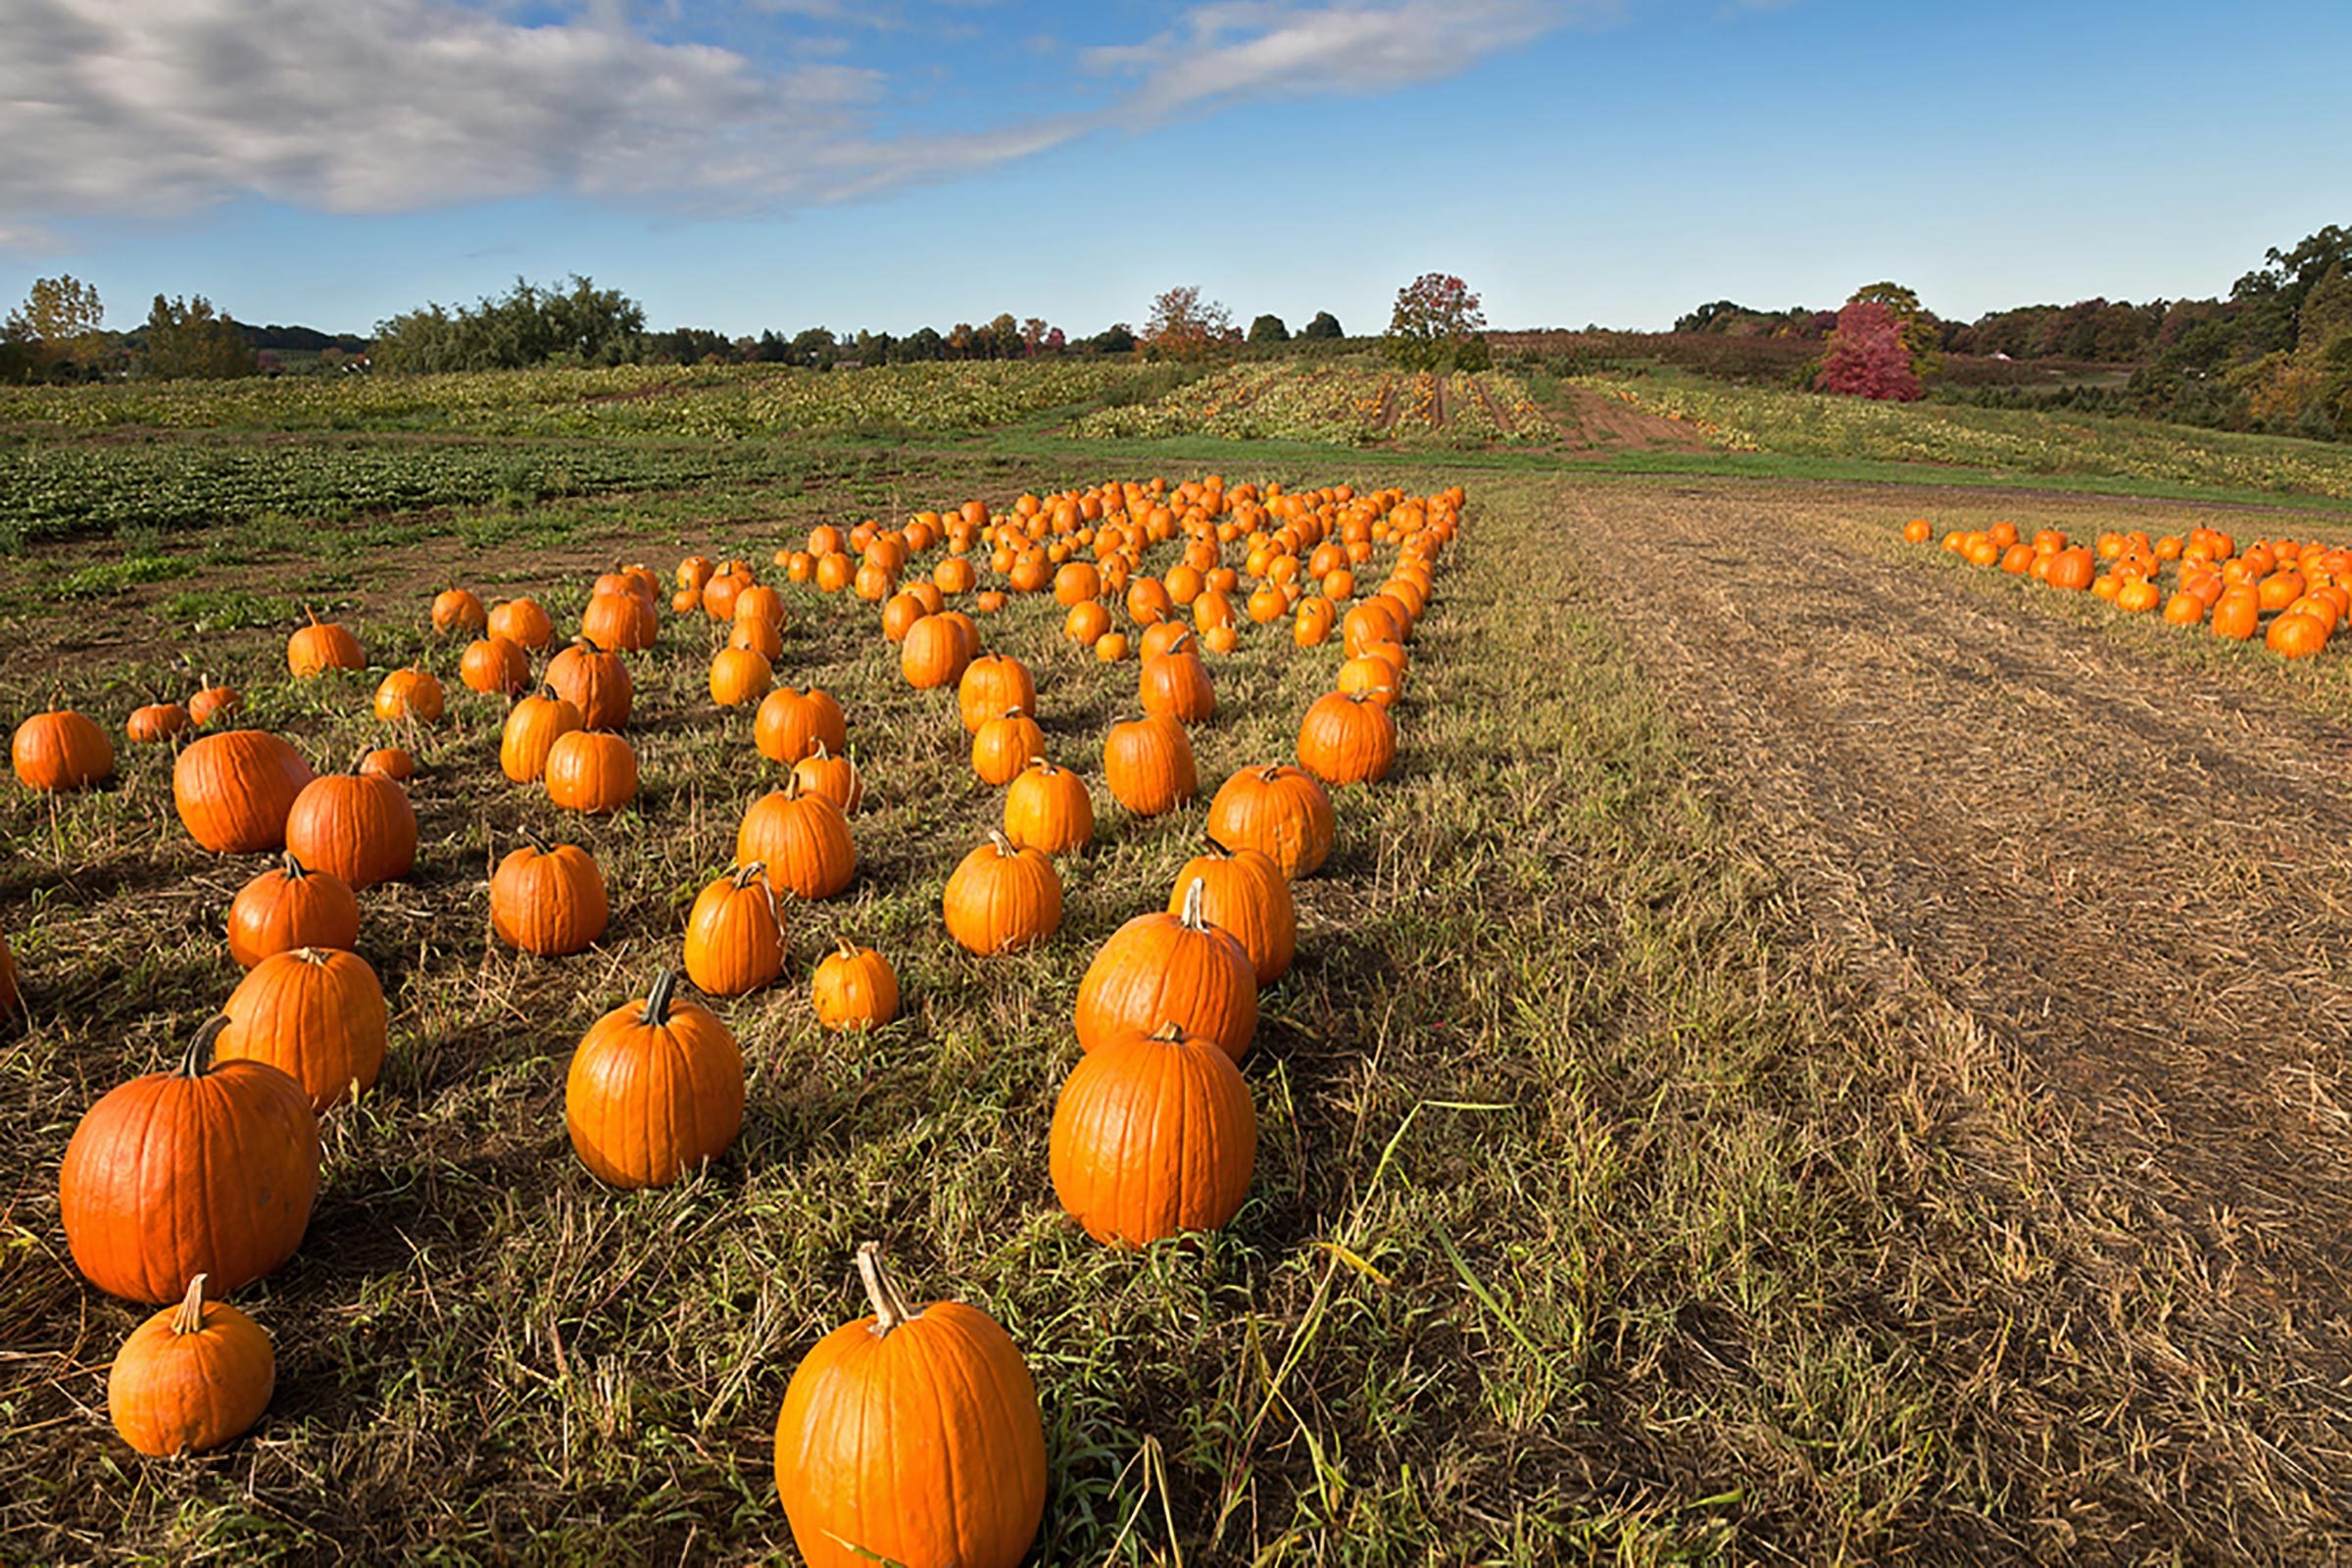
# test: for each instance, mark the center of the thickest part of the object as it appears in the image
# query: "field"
(1817, 1053)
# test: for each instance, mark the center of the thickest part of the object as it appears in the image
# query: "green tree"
(1324, 326)
(578, 324)
(58, 324)
(186, 339)
(1269, 329)
(2327, 313)
(1434, 320)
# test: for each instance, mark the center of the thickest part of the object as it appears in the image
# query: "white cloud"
(367, 106)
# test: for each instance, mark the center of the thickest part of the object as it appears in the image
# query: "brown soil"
(2103, 887)
(1607, 425)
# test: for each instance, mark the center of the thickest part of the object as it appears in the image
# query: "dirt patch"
(1606, 424)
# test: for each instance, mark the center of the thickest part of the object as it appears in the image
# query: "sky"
(752, 164)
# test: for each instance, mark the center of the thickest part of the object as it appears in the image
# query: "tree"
(1184, 326)
(1269, 329)
(527, 326)
(1435, 318)
(1116, 338)
(1324, 326)
(185, 338)
(1867, 356)
(1707, 316)
(1922, 333)
(815, 347)
(58, 323)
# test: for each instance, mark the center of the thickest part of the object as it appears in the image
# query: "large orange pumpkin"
(1148, 763)
(234, 789)
(315, 1013)
(61, 751)
(361, 828)
(803, 840)
(1245, 893)
(1152, 1134)
(1283, 813)
(289, 907)
(655, 1086)
(1170, 968)
(1002, 898)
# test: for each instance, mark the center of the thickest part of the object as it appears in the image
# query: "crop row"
(1354, 402)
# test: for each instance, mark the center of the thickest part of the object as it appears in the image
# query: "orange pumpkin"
(855, 988)
(194, 1377)
(654, 1089)
(1153, 1135)
(316, 1014)
(1170, 968)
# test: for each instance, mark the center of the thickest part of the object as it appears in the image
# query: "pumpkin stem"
(1168, 1033)
(198, 1059)
(1005, 849)
(656, 999)
(1193, 919)
(189, 1319)
(538, 845)
(890, 1306)
(746, 876)
(295, 869)
(843, 946)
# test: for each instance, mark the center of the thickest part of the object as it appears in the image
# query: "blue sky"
(743, 164)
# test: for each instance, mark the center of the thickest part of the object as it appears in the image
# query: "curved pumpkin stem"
(538, 845)
(844, 947)
(657, 1000)
(1194, 921)
(189, 1319)
(198, 1059)
(294, 869)
(1005, 849)
(746, 876)
(891, 1308)
(1168, 1033)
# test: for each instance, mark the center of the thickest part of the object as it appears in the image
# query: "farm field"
(1816, 1053)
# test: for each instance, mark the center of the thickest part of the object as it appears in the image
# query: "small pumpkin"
(214, 701)
(194, 1377)
(588, 770)
(388, 762)
(362, 829)
(321, 646)
(495, 664)
(834, 777)
(317, 1013)
(455, 610)
(1170, 968)
(1281, 811)
(235, 789)
(1049, 808)
(790, 724)
(594, 681)
(289, 907)
(61, 750)
(1153, 1135)
(534, 726)
(1347, 739)
(1148, 763)
(1002, 898)
(740, 675)
(856, 988)
(156, 721)
(802, 838)
(549, 899)
(911, 1436)
(654, 1088)
(522, 621)
(1006, 745)
(410, 693)
(735, 934)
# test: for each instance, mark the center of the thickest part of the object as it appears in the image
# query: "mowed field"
(1815, 1054)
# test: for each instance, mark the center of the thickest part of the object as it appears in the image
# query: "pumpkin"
(624, 621)
(410, 693)
(934, 653)
(457, 610)
(1086, 623)
(1281, 811)
(1001, 898)
(156, 721)
(495, 664)
(210, 1168)
(2070, 570)
(523, 623)
(318, 1014)
(1245, 893)
(590, 772)
(1347, 739)
(1049, 808)
(760, 603)
(1159, 637)
(214, 701)
(321, 646)
(1152, 1134)
(194, 1377)
(234, 790)
(655, 1086)
(991, 685)
(594, 681)
(388, 762)
(740, 675)
(548, 899)
(534, 726)
(360, 828)
(735, 934)
(856, 988)
(1110, 648)
(790, 724)
(802, 838)
(1170, 968)
(1175, 683)
(911, 1436)
(1147, 763)
(1006, 745)
(899, 613)
(836, 778)
(61, 751)
(1373, 678)
(289, 907)
(2296, 636)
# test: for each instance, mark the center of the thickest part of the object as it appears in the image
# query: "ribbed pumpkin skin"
(1175, 684)
(836, 778)
(410, 693)
(1168, 968)
(921, 1446)
(735, 934)
(1004, 746)
(934, 653)
(291, 907)
(522, 621)
(171, 1176)
(989, 685)
(534, 726)
(495, 664)
(361, 829)
(803, 840)
(194, 1377)
(791, 723)
(317, 1013)
(645, 1100)
(1244, 893)
(457, 609)
(1001, 899)
(156, 721)
(856, 988)
(739, 676)
(1049, 808)
(214, 701)
(1283, 813)
(323, 646)
(1153, 1134)
(1148, 765)
(235, 789)
(61, 751)
(625, 621)
(1346, 740)
(595, 682)
(591, 771)
(551, 901)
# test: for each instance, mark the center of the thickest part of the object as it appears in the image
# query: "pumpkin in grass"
(1245, 893)
(289, 907)
(595, 681)
(791, 725)
(521, 621)
(760, 603)
(758, 636)
(836, 778)
(549, 899)
(1110, 648)
(457, 610)
(156, 721)
(1086, 623)
(1049, 808)
(654, 1089)
(802, 838)
(588, 770)
(735, 934)
(1006, 745)
(1374, 680)
(1347, 739)
(899, 613)
(362, 829)
(534, 726)
(388, 762)
(214, 701)
(1153, 1135)
(1148, 765)
(989, 685)
(2295, 635)
(739, 676)
(1002, 898)
(2235, 614)
(194, 1377)
(1281, 811)
(410, 693)
(1159, 637)
(314, 1014)
(234, 790)
(2072, 570)
(321, 646)
(934, 653)
(855, 988)
(624, 621)
(210, 1168)
(911, 1436)
(1175, 684)
(1170, 968)
(495, 664)
(61, 750)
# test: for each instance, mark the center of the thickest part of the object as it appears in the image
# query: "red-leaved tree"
(1867, 356)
